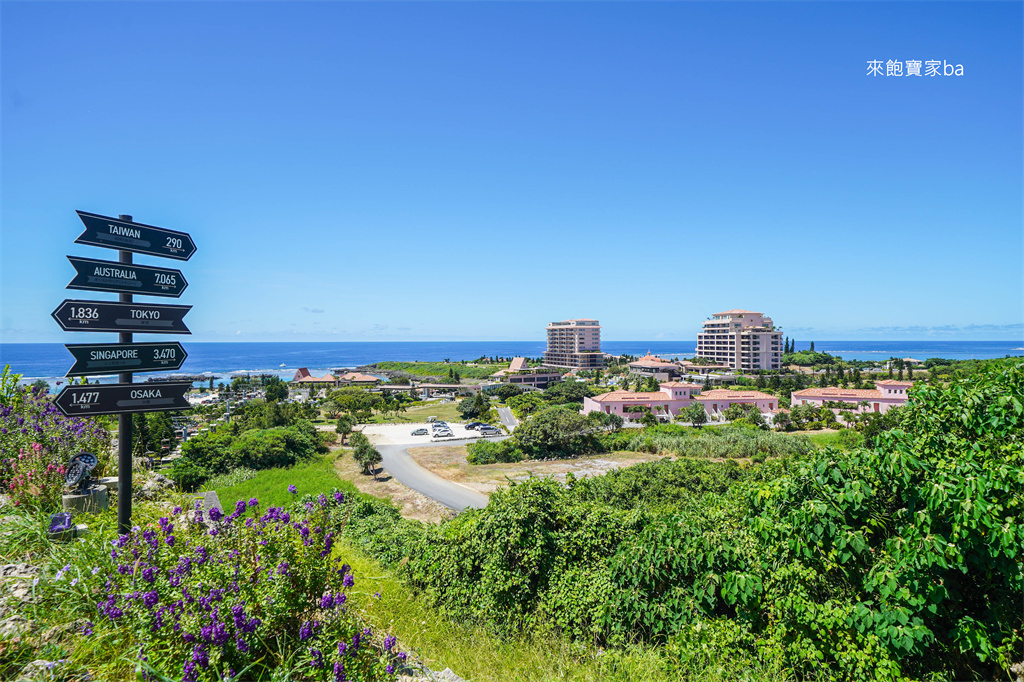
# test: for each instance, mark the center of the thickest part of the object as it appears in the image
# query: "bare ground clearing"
(411, 504)
(449, 462)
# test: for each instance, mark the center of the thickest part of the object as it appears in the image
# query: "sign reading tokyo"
(106, 358)
(112, 233)
(93, 399)
(101, 275)
(107, 316)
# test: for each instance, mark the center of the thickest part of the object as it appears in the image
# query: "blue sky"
(389, 171)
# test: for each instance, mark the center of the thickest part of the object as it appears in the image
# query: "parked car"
(488, 430)
(443, 434)
(473, 426)
(419, 432)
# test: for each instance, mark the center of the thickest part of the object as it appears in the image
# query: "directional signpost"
(113, 233)
(106, 316)
(103, 358)
(125, 317)
(103, 275)
(93, 399)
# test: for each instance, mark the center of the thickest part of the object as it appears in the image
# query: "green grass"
(419, 412)
(475, 654)
(837, 439)
(440, 369)
(270, 486)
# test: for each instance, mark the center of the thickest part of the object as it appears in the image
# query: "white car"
(443, 434)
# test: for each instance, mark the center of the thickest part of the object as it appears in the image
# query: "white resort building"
(742, 339)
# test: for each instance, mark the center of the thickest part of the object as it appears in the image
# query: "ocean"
(49, 361)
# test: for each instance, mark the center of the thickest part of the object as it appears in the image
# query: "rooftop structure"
(574, 344)
(719, 400)
(519, 373)
(887, 394)
(302, 376)
(666, 403)
(742, 339)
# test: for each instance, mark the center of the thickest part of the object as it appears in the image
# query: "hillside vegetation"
(899, 561)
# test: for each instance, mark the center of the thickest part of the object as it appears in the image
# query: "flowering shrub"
(235, 595)
(36, 442)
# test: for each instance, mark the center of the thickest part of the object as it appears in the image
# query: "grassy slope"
(475, 654)
(440, 369)
(271, 485)
(448, 412)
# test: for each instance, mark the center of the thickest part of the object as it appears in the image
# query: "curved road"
(400, 464)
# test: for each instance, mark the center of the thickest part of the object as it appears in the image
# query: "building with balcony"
(521, 374)
(665, 404)
(742, 339)
(887, 394)
(719, 400)
(575, 344)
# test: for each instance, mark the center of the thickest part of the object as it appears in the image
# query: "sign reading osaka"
(93, 399)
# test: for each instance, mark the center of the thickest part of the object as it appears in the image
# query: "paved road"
(400, 464)
(507, 418)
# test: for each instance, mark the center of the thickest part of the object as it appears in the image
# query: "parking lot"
(402, 433)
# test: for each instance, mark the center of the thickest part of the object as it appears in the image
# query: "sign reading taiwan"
(92, 399)
(107, 316)
(107, 358)
(122, 278)
(125, 235)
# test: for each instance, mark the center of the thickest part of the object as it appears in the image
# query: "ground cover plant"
(36, 443)
(259, 593)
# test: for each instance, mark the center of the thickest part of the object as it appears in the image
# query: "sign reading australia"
(101, 275)
(126, 235)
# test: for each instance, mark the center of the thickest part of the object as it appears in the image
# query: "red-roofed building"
(719, 400)
(302, 376)
(667, 403)
(887, 394)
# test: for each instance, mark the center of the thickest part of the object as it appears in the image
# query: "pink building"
(887, 394)
(719, 400)
(673, 397)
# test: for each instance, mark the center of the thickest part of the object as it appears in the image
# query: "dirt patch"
(449, 462)
(411, 504)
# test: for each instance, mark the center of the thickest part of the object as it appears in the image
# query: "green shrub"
(490, 452)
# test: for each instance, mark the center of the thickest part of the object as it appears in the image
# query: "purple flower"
(326, 601)
(339, 598)
(318, 659)
(282, 568)
(216, 514)
(389, 642)
(349, 581)
(338, 497)
(306, 631)
(390, 669)
(292, 489)
(241, 645)
(253, 502)
(149, 574)
(87, 628)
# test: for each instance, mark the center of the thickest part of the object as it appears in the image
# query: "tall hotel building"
(742, 339)
(575, 344)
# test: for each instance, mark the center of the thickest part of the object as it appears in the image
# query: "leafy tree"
(40, 387)
(525, 404)
(476, 406)
(330, 408)
(344, 426)
(812, 346)
(506, 391)
(568, 392)
(275, 390)
(558, 431)
(694, 414)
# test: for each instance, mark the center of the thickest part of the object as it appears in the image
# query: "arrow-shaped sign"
(102, 275)
(93, 399)
(106, 316)
(108, 358)
(112, 233)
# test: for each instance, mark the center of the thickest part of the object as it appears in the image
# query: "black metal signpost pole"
(124, 426)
